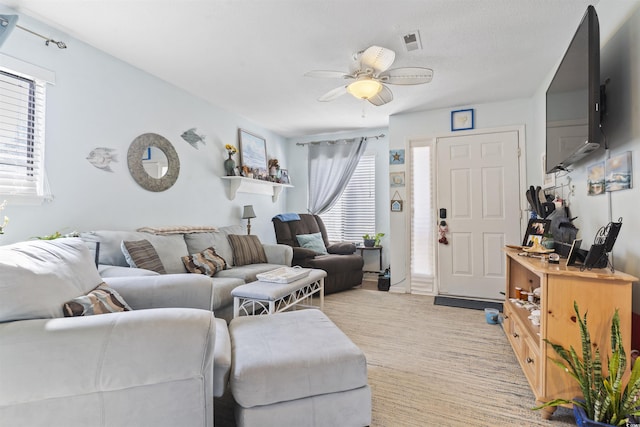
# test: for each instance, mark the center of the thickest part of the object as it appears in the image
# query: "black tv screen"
(573, 99)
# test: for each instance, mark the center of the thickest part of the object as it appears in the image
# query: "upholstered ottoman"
(297, 368)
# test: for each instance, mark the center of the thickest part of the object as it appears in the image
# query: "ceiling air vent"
(412, 41)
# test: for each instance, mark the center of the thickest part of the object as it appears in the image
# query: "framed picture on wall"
(253, 152)
(462, 119)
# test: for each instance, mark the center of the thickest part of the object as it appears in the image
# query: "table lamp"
(247, 214)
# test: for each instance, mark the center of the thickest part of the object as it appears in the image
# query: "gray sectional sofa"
(172, 247)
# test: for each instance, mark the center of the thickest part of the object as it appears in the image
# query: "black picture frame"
(573, 252)
(536, 229)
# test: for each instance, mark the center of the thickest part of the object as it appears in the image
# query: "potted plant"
(606, 399)
(371, 241)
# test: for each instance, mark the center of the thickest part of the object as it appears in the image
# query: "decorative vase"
(369, 243)
(230, 166)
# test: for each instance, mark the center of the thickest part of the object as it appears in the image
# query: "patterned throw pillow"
(142, 254)
(247, 249)
(101, 300)
(206, 262)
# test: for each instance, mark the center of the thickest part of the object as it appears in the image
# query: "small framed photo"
(284, 176)
(146, 155)
(618, 172)
(462, 119)
(536, 229)
(595, 179)
(396, 179)
(396, 157)
(396, 206)
(253, 152)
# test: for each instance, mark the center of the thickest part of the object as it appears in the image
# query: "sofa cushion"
(247, 249)
(197, 242)
(38, 276)
(312, 241)
(247, 272)
(206, 262)
(170, 248)
(141, 254)
(101, 300)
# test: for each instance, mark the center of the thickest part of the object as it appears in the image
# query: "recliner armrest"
(303, 253)
(341, 248)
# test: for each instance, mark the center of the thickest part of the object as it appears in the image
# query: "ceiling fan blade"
(407, 76)
(382, 97)
(378, 58)
(326, 74)
(333, 94)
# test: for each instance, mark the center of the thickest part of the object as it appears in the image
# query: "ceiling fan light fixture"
(364, 88)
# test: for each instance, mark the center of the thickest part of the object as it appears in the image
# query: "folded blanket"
(285, 217)
(178, 229)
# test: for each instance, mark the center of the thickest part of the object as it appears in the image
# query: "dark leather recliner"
(342, 264)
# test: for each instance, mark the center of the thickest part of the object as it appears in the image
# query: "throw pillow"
(247, 249)
(206, 262)
(101, 300)
(141, 254)
(312, 241)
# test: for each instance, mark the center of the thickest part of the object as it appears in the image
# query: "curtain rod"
(338, 140)
(48, 40)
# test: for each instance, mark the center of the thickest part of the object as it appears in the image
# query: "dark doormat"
(466, 303)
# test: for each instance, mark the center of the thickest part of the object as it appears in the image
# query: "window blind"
(354, 214)
(22, 108)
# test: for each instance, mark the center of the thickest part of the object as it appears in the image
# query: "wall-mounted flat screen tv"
(573, 99)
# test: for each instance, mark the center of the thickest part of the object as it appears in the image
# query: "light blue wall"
(99, 101)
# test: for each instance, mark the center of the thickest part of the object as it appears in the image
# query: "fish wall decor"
(101, 157)
(193, 138)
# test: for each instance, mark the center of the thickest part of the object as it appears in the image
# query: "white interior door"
(478, 184)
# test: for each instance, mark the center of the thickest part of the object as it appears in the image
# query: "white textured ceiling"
(250, 56)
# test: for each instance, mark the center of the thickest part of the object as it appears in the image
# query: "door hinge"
(519, 151)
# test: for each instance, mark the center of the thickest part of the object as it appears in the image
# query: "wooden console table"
(597, 291)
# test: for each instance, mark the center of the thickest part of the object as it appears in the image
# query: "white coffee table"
(268, 297)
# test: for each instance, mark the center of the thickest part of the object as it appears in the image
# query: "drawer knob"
(529, 360)
(515, 335)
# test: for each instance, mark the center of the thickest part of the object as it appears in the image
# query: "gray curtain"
(331, 165)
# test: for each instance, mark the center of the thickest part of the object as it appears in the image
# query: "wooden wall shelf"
(255, 186)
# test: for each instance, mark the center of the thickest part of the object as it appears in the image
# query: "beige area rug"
(430, 365)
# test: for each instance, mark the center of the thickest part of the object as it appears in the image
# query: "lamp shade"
(364, 88)
(248, 212)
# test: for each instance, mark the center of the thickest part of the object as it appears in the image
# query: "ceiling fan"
(370, 73)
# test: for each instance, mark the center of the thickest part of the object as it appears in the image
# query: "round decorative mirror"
(153, 162)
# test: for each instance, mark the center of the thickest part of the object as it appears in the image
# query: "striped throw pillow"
(247, 249)
(101, 300)
(142, 254)
(206, 262)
